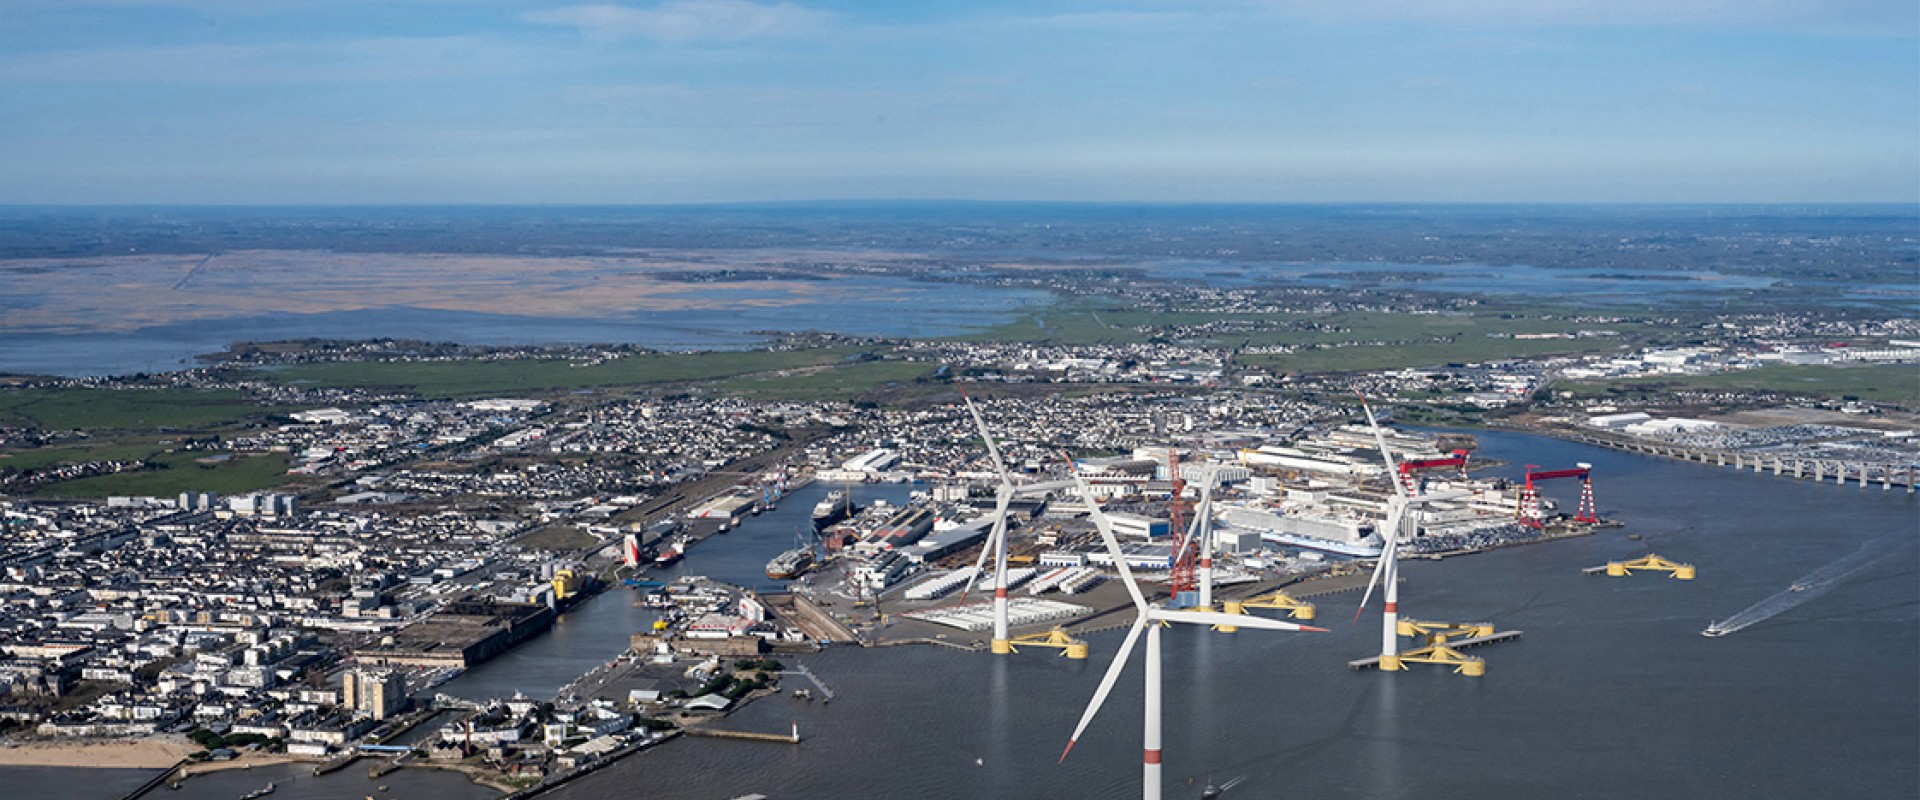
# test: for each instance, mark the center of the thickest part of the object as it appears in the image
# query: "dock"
(338, 763)
(752, 736)
(826, 694)
(1501, 636)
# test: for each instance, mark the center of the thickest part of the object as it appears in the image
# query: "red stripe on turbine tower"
(1153, 757)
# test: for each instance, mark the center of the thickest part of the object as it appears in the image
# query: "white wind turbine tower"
(1388, 567)
(1203, 524)
(997, 539)
(1150, 619)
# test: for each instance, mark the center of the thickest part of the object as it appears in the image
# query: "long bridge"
(1819, 470)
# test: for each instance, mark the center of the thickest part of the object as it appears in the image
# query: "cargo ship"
(833, 509)
(668, 556)
(790, 564)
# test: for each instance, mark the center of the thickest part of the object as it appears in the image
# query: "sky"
(697, 101)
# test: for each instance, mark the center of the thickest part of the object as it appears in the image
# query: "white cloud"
(686, 20)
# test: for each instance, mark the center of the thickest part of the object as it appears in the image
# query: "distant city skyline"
(702, 101)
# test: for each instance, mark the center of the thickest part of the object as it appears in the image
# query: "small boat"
(1715, 631)
(1633, 537)
(1798, 587)
(260, 792)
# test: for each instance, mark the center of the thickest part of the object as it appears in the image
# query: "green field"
(1476, 337)
(109, 409)
(830, 383)
(244, 473)
(111, 450)
(1893, 384)
(473, 378)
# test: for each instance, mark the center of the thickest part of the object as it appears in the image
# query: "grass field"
(111, 450)
(1476, 337)
(1895, 384)
(827, 383)
(473, 378)
(244, 473)
(106, 409)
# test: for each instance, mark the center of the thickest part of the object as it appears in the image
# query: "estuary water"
(1612, 692)
(858, 305)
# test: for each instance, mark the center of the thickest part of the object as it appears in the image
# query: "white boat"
(1714, 630)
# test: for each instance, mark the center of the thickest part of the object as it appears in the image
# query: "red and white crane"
(1529, 508)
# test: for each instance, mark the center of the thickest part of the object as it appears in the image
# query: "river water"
(1611, 693)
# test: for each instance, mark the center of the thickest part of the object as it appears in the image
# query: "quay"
(752, 736)
(1502, 636)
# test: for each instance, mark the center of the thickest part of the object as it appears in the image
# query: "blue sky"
(498, 101)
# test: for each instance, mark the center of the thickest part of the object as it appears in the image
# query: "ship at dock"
(836, 507)
(790, 564)
(667, 556)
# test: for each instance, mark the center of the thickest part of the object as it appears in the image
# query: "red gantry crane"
(1529, 509)
(1408, 468)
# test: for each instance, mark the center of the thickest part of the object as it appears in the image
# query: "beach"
(156, 752)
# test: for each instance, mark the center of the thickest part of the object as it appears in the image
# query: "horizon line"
(929, 201)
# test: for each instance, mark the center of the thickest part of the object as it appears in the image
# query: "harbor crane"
(1408, 468)
(1529, 508)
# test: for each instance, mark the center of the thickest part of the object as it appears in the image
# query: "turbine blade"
(1387, 551)
(1381, 439)
(992, 449)
(1105, 527)
(1241, 620)
(1118, 666)
(994, 539)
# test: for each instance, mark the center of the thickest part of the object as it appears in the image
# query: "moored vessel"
(790, 564)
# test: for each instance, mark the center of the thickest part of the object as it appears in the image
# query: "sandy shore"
(147, 753)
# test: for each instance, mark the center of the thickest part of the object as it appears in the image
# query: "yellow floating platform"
(1056, 638)
(1296, 609)
(1652, 563)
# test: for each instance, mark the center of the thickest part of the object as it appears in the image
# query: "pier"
(826, 694)
(752, 736)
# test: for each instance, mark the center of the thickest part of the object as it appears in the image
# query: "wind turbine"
(996, 543)
(1149, 619)
(1388, 567)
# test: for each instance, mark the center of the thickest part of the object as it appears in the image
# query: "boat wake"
(1812, 585)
